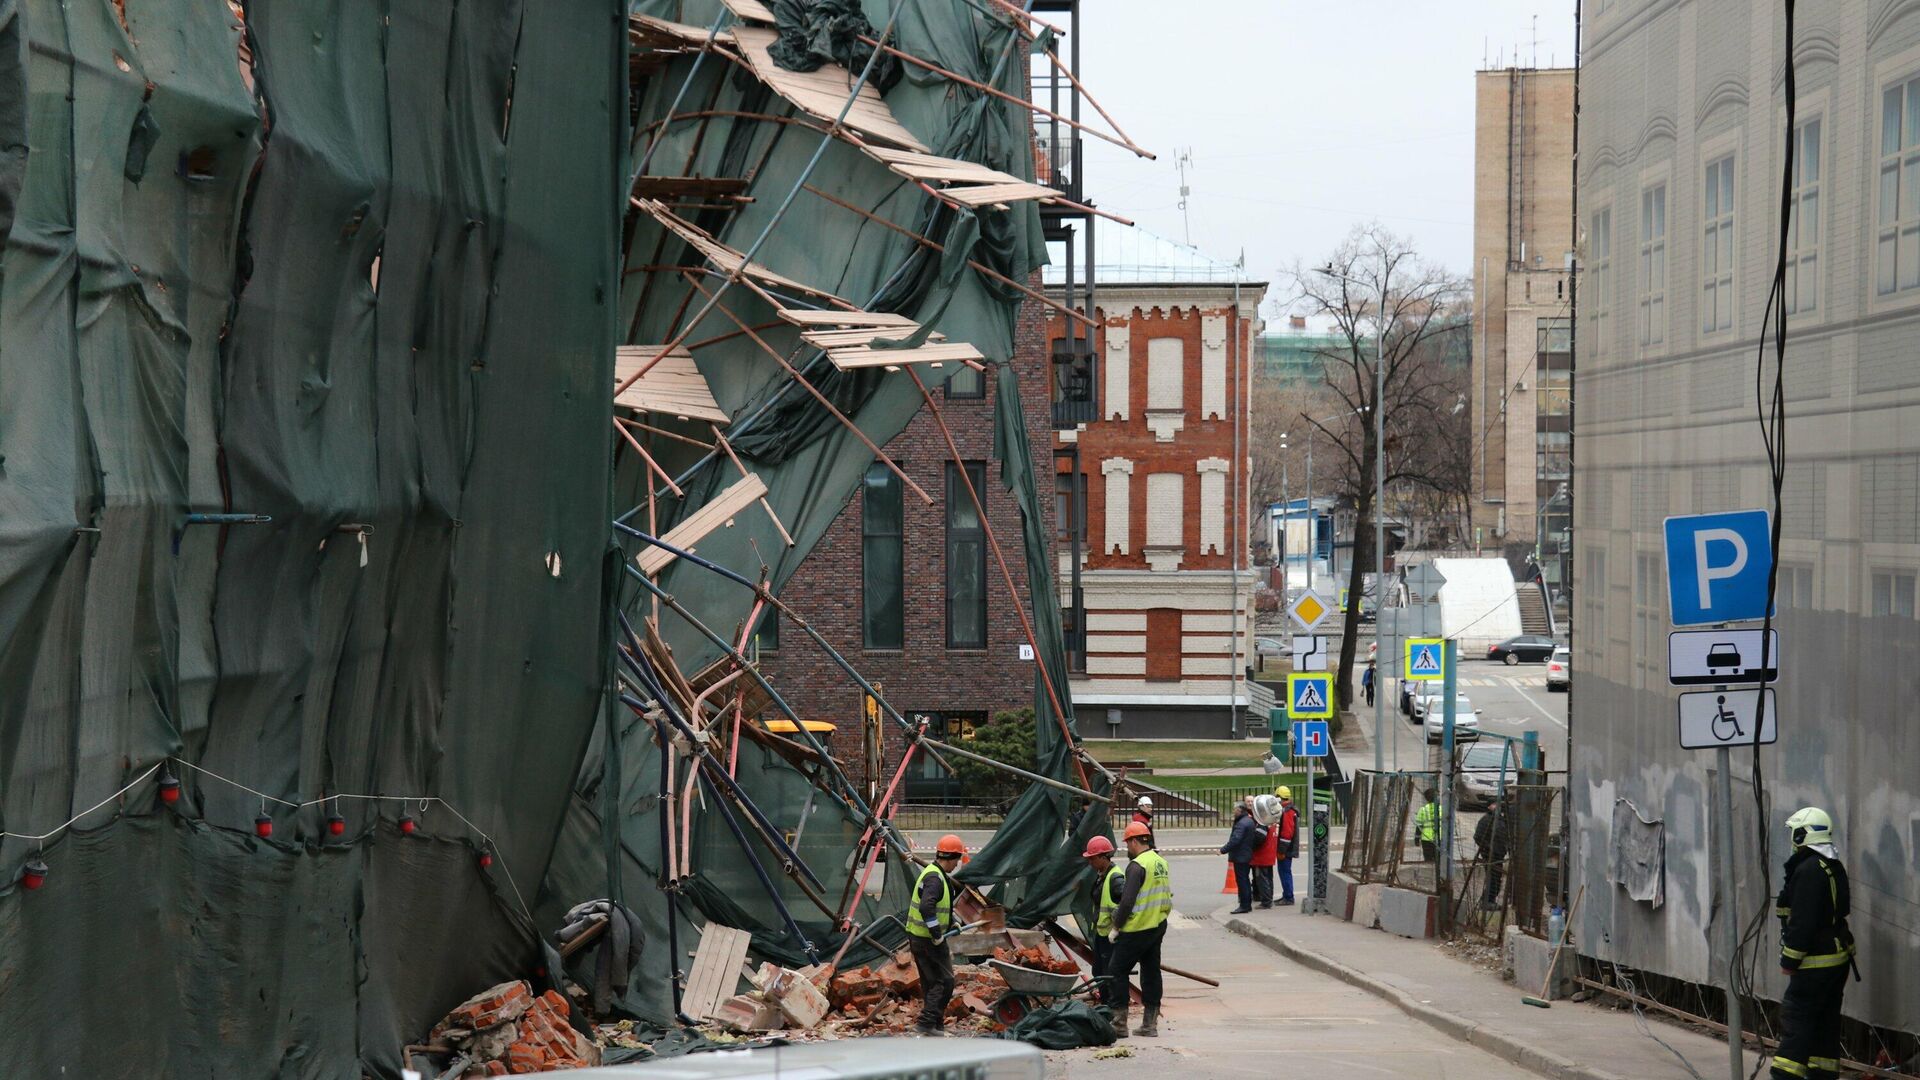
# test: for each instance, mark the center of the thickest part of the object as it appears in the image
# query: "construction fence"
(1505, 858)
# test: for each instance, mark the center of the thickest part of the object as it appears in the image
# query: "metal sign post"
(1307, 905)
(1719, 569)
(1448, 688)
(1312, 739)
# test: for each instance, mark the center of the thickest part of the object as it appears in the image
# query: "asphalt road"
(1512, 700)
(1270, 1016)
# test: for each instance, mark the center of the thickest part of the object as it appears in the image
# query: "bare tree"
(1419, 404)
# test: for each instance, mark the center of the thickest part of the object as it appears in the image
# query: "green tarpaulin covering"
(356, 271)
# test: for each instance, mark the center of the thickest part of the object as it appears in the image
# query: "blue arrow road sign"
(1717, 567)
(1311, 738)
(1310, 695)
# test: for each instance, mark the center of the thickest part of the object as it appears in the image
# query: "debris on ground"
(508, 1030)
(1038, 959)
(1113, 1052)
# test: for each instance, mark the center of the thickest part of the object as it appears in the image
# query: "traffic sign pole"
(1305, 842)
(1448, 687)
(1730, 932)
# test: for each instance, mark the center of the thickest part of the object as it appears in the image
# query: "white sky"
(1302, 118)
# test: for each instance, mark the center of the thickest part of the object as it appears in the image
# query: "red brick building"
(951, 649)
(1164, 567)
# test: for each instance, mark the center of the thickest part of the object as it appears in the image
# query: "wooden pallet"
(716, 970)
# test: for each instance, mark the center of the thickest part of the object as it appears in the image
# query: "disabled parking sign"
(1310, 695)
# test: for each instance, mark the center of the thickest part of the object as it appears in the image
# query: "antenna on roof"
(1183, 161)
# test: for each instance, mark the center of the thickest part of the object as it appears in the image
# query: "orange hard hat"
(950, 845)
(1137, 829)
(1099, 845)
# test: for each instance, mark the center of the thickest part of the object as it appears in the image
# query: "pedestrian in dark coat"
(1245, 839)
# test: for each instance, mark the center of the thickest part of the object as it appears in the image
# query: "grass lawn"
(1181, 753)
(1251, 784)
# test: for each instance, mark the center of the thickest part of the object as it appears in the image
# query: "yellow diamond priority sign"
(1309, 610)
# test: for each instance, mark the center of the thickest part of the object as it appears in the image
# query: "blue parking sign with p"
(1718, 566)
(1310, 695)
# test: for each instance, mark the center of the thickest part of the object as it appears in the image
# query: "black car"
(1534, 650)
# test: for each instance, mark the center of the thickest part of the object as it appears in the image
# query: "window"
(1070, 507)
(966, 558)
(1166, 374)
(1897, 252)
(1716, 248)
(967, 384)
(1795, 588)
(1600, 264)
(881, 552)
(1803, 228)
(1893, 593)
(1653, 265)
(1119, 474)
(766, 636)
(1163, 644)
(1166, 496)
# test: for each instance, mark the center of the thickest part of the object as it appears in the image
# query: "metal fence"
(1505, 860)
(1199, 808)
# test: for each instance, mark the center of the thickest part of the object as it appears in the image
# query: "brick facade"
(1166, 517)
(924, 675)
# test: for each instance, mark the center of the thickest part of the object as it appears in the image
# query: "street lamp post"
(1379, 494)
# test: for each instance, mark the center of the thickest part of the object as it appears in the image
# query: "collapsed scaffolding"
(694, 477)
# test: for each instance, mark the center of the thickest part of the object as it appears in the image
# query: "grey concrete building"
(1681, 144)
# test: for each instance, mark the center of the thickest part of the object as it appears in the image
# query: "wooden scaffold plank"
(823, 93)
(716, 514)
(673, 386)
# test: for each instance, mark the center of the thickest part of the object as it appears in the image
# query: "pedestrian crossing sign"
(1310, 695)
(1426, 658)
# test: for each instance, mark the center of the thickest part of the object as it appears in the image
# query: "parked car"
(1433, 717)
(1267, 646)
(1560, 669)
(1525, 647)
(1478, 779)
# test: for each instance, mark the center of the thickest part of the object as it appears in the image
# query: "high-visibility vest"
(1103, 919)
(1155, 900)
(944, 915)
(1427, 821)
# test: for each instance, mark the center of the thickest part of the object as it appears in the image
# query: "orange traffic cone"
(1230, 888)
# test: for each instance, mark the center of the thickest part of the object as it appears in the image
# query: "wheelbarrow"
(1029, 989)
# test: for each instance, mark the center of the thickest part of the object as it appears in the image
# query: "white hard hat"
(1145, 803)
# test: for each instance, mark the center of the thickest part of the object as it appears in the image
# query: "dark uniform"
(1107, 890)
(1146, 899)
(1816, 949)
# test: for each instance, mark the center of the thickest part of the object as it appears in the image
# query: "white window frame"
(1600, 278)
(1890, 227)
(1807, 227)
(1654, 315)
(1718, 230)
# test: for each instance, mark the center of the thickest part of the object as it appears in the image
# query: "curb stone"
(1504, 1046)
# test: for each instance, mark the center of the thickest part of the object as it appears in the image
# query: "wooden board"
(948, 352)
(664, 33)
(985, 194)
(671, 187)
(709, 518)
(823, 93)
(803, 317)
(722, 256)
(840, 339)
(674, 386)
(750, 10)
(716, 970)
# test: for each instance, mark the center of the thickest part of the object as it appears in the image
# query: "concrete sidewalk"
(1570, 1041)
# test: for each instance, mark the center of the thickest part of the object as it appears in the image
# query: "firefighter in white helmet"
(1816, 949)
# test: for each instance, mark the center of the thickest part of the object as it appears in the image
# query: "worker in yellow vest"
(1108, 882)
(1139, 926)
(1426, 826)
(929, 923)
